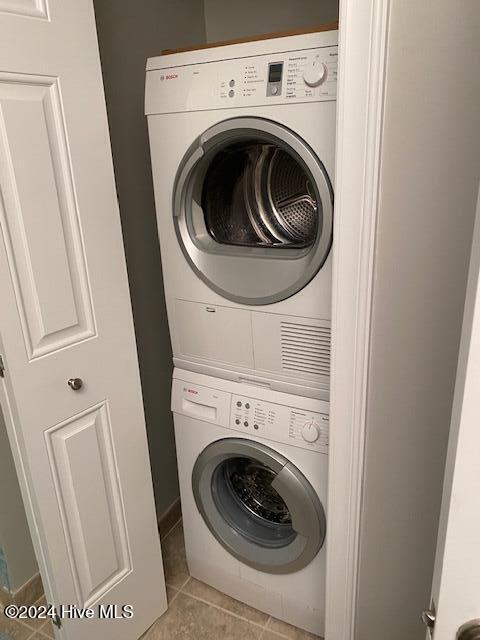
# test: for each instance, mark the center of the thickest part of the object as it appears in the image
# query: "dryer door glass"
(259, 506)
(258, 194)
(253, 210)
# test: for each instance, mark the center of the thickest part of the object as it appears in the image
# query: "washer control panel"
(291, 425)
(308, 75)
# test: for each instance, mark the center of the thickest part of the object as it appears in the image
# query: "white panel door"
(456, 582)
(82, 455)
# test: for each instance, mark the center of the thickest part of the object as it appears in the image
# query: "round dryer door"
(253, 210)
(258, 505)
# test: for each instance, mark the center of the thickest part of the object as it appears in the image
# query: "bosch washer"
(253, 469)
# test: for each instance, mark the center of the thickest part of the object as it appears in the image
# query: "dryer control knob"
(310, 432)
(314, 73)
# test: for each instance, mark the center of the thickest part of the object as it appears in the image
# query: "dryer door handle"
(182, 179)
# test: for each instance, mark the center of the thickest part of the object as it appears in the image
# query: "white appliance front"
(253, 471)
(243, 168)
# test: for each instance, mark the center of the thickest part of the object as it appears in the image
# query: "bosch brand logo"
(190, 390)
(168, 76)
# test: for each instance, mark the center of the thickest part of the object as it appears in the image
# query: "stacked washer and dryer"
(242, 141)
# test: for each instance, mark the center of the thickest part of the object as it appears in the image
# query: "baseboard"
(169, 518)
(27, 594)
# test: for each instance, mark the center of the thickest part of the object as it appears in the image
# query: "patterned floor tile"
(191, 619)
(287, 631)
(205, 592)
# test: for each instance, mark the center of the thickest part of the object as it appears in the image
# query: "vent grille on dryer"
(306, 348)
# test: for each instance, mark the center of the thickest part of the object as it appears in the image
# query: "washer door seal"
(276, 528)
(254, 275)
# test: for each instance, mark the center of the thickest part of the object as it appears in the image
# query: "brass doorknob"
(75, 383)
(469, 631)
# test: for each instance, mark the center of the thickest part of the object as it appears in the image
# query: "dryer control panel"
(291, 425)
(308, 75)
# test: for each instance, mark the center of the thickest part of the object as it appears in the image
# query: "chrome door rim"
(219, 265)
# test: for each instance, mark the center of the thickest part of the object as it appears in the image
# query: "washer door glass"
(258, 505)
(253, 210)
(243, 492)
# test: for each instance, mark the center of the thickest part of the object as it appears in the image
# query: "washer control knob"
(314, 73)
(310, 432)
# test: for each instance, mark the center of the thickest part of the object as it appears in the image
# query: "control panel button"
(315, 73)
(232, 83)
(247, 405)
(310, 432)
(245, 424)
(274, 90)
(239, 404)
(231, 93)
(237, 421)
(255, 426)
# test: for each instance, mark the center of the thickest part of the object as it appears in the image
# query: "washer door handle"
(308, 516)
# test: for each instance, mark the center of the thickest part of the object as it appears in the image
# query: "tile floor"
(196, 611)
(25, 630)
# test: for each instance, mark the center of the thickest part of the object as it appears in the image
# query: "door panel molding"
(85, 475)
(81, 455)
(28, 8)
(38, 207)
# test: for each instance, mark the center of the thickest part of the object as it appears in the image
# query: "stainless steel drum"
(271, 187)
(291, 197)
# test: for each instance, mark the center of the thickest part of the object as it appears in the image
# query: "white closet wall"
(428, 190)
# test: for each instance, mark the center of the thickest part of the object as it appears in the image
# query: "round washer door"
(253, 210)
(258, 505)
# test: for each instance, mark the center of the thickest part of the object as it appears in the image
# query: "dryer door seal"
(258, 505)
(253, 210)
